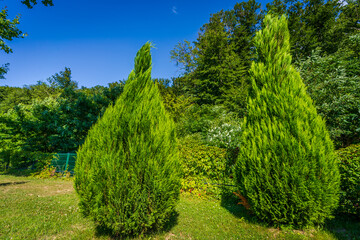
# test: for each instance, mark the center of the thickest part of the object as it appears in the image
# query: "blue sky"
(98, 40)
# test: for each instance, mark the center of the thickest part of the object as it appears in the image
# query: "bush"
(197, 119)
(203, 168)
(41, 160)
(202, 118)
(226, 135)
(336, 94)
(22, 160)
(127, 171)
(286, 168)
(201, 160)
(349, 166)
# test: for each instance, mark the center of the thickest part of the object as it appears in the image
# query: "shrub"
(224, 135)
(286, 167)
(127, 170)
(336, 94)
(349, 166)
(41, 159)
(203, 167)
(201, 119)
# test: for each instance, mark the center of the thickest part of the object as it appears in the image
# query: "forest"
(267, 96)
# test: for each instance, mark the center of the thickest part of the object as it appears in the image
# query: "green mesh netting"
(64, 162)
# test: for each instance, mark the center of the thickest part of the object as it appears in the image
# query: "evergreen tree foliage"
(317, 23)
(127, 170)
(286, 168)
(219, 68)
(216, 64)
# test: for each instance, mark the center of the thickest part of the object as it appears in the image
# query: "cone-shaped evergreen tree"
(286, 168)
(127, 170)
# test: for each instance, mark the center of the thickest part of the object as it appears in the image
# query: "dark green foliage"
(206, 120)
(244, 20)
(216, 64)
(32, 3)
(127, 171)
(3, 70)
(9, 31)
(317, 23)
(49, 118)
(286, 167)
(349, 18)
(349, 167)
(333, 82)
(219, 68)
(198, 119)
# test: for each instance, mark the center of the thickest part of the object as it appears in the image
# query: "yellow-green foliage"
(203, 168)
(286, 167)
(349, 166)
(127, 171)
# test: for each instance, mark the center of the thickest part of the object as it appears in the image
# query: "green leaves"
(349, 165)
(9, 30)
(203, 168)
(49, 118)
(32, 3)
(333, 82)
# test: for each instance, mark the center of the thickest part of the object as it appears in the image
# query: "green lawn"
(47, 209)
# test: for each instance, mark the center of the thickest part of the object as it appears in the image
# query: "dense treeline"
(49, 117)
(208, 100)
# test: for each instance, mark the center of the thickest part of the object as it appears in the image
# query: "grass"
(48, 209)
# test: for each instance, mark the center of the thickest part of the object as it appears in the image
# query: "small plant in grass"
(286, 168)
(127, 171)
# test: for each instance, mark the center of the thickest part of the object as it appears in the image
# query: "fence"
(64, 162)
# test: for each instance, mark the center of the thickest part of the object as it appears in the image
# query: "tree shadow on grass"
(231, 203)
(106, 232)
(12, 183)
(344, 226)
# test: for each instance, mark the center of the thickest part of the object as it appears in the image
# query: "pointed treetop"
(266, 48)
(143, 59)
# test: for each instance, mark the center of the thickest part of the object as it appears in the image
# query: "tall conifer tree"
(286, 168)
(127, 170)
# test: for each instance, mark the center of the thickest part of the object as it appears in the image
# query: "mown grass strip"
(47, 209)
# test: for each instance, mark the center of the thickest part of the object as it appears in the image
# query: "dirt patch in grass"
(54, 190)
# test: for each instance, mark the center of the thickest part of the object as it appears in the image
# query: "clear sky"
(98, 40)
